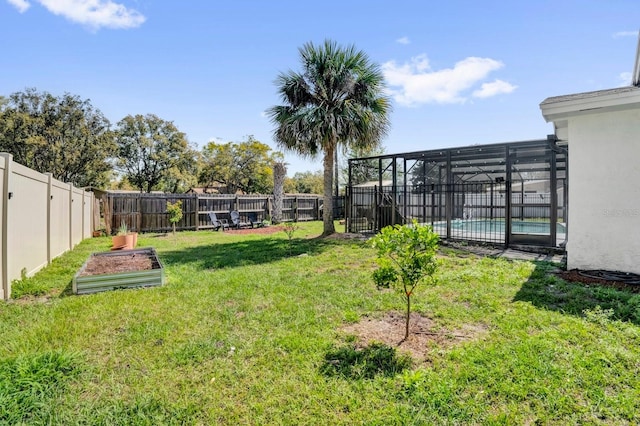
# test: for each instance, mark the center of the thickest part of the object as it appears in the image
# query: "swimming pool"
(490, 226)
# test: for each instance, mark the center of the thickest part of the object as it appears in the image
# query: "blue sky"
(459, 72)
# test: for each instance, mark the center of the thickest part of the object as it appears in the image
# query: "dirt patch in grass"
(423, 334)
(39, 299)
(99, 265)
(589, 278)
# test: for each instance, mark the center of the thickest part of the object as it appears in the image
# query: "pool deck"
(509, 253)
(481, 236)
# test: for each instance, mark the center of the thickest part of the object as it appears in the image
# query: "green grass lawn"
(245, 328)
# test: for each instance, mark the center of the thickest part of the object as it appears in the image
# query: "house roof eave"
(559, 108)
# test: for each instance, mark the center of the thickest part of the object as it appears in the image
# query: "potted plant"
(123, 238)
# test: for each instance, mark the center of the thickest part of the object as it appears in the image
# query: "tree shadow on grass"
(376, 359)
(246, 252)
(545, 290)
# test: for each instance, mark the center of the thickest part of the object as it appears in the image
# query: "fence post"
(95, 220)
(70, 216)
(82, 237)
(196, 211)
(295, 208)
(108, 213)
(49, 198)
(5, 285)
(138, 214)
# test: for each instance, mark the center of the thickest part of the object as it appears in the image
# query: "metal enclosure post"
(348, 200)
(424, 192)
(433, 203)
(394, 190)
(404, 192)
(492, 203)
(449, 195)
(553, 217)
(507, 198)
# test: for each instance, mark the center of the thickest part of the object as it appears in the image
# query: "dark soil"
(423, 334)
(576, 275)
(98, 265)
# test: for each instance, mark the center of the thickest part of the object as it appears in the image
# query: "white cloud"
(92, 13)
(625, 34)
(403, 40)
(494, 88)
(625, 78)
(416, 83)
(21, 5)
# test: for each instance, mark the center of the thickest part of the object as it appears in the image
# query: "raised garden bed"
(122, 269)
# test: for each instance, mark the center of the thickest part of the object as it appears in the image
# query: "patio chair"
(253, 218)
(218, 223)
(236, 222)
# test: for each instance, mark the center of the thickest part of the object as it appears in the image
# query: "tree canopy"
(306, 183)
(337, 99)
(150, 150)
(246, 166)
(65, 136)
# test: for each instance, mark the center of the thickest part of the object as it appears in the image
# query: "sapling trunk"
(406, 326)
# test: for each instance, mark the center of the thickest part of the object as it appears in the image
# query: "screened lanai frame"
(507, 193)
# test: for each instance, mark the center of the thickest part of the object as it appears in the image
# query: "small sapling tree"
(406, 257)
(290, 228)
(175, 213)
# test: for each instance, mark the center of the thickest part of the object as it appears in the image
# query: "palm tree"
(336, 99)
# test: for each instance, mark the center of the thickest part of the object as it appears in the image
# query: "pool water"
(494, 226)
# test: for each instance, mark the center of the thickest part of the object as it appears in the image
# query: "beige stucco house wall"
(603, 133)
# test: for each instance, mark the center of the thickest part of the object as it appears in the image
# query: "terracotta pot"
(134, 243)
(118, 242)
(123, 242)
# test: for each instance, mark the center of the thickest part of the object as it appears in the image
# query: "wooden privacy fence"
(142, 212)
(40, 219)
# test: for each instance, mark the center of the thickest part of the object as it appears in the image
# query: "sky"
(458, 72)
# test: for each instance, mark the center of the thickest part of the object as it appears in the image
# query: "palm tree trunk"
(327, 209)
(336, 177)
(279, 174)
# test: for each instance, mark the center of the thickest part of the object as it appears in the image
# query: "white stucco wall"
(604, 191)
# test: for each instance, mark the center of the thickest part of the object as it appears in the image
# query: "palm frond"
(336, 99)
